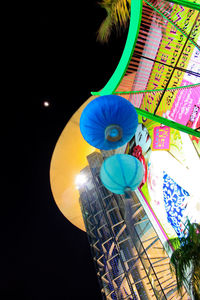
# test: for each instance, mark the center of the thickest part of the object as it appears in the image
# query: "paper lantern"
(108, 122)
(121, 172)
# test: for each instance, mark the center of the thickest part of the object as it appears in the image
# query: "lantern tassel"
(127, 193)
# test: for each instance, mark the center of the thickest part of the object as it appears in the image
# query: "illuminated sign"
(161, 138)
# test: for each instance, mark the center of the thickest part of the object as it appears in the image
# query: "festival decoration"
(108, 122)
(121, 173)
(159, 71)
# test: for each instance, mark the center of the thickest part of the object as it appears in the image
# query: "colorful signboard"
(173, 160)
(170, 184)
(175, 64)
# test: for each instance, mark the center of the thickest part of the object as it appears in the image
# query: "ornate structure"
(159, 74)
(128, 254)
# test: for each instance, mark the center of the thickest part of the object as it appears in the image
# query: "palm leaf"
(195, 282)
(106, 27)
(118, 15)
(185, 259)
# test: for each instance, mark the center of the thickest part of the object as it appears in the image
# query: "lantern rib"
(122, 169)
(108, 174)
(131, 180)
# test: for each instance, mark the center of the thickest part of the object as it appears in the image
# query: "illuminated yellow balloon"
(69, 158)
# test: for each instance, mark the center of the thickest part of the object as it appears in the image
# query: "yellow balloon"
(68, 159)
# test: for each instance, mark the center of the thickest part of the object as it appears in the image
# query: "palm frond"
(121, 12)
(174, 242)
(118, 15)
(105, 28)
(195, 282)
(185, 259)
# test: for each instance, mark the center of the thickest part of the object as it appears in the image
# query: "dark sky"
(53, 51)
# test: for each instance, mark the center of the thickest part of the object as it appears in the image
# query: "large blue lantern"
(108, 122)
(121, 173)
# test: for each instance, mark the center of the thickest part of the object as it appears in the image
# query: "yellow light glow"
(69, 158)
(80, 180)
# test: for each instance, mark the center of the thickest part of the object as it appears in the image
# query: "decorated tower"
(127, 251)
(159, 76)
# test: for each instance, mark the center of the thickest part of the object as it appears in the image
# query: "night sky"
(53, 51)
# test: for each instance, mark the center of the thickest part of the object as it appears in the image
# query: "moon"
(68, 159)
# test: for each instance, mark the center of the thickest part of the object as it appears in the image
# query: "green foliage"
(118, 15)
(185, 260)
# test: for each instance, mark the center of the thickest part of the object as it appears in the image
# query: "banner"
(170, 184)
(176, 64)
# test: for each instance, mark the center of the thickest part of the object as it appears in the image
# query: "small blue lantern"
(121, 173)
(108, 122)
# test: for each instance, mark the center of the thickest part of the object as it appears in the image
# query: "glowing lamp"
(108, 122)
(80, 180)
(121, 173)
(46, 103)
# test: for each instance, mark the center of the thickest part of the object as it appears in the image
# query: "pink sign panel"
(161, 138)
(186, 108)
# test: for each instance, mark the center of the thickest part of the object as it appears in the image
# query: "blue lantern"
(108, 122)
(121, 173)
